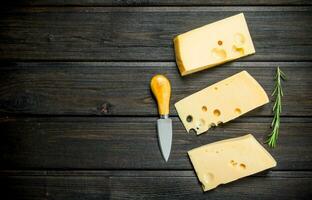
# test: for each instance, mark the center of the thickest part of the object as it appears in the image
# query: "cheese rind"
(213, 44)
(221, 102)
(228, 160)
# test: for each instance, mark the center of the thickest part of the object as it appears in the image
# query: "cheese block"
(221, 102)
(228, 160)
(213, 44)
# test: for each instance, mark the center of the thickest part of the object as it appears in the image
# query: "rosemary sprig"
(277, 108)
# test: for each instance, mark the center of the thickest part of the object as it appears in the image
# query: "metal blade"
(164, 128)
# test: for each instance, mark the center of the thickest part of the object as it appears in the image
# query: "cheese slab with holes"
(228, 160)
(221, 102)
(213, 44)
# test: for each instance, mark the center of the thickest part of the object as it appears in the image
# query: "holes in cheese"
(189, 118)
(223, 101)
(213, 44)
(242, 166)
(237, 111)
(233, 163)
(208, 178)
(239, 40)
(219, 53)
(216, 112)
(238, 50)
(236, 158)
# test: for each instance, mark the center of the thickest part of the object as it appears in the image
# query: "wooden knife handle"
(161, 89)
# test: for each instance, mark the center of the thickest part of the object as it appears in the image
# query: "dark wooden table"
(77, 117)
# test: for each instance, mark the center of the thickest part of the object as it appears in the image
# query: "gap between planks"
(243, 119)
(218, 8)
(141, 63)
(145, 173)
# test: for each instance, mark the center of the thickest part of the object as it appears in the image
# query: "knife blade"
(161, 89)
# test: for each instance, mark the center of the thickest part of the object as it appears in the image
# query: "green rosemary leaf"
(283, 76)
(274, 107)
(277, 107)
(274, 91)
(273, 121)
(282, 92)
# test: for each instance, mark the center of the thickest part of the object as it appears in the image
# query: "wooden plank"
(143, 33)
(155, 2)
(131, 143)
(153, 185)
(113, 88)
(49, 187)
(188, 188)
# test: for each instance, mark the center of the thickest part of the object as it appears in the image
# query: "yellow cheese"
(213, 44)
(221, 102)
(228, 160)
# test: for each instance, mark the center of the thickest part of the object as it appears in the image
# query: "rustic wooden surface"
(77, 118)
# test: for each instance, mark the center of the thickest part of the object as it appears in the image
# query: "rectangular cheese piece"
(213, 44)
(221, 102)
(228, 160)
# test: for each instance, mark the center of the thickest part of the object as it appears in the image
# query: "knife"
(161, 89)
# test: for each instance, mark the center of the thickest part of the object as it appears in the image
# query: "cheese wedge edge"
(221, 102)
(228, 160)
(213, 44)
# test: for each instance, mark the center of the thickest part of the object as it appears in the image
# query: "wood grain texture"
(85, 127)
(155, 2)
(152, 185)
(123, 88)
(143, 33)
(132, 143)
(38, 187)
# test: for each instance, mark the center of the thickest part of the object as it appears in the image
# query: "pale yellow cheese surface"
(213, 44)
(221, 102)
(228, 160)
